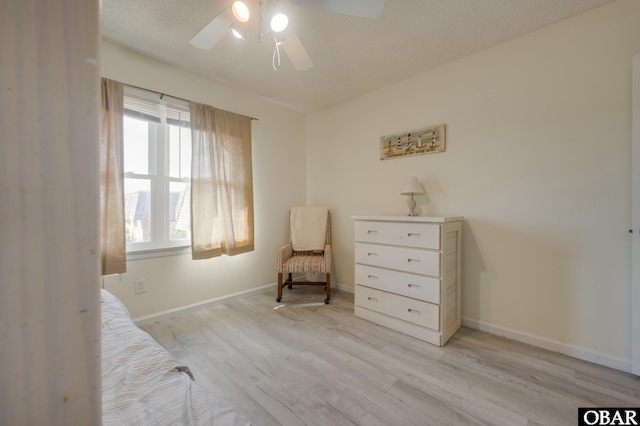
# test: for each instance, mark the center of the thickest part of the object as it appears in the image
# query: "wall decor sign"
(429, 140)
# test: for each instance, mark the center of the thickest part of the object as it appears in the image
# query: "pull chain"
(276, 55)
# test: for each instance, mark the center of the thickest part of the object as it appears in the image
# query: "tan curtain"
(112, 229)
(221, 183)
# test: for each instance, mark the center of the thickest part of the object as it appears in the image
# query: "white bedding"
(140, 382)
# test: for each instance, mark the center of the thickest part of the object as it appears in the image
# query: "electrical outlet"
(140, 286)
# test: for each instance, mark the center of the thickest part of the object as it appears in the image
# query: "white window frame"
(159, 177)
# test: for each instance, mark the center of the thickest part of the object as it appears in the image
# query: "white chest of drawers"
(407, 274)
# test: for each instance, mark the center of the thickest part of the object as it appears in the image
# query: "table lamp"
(412, 186)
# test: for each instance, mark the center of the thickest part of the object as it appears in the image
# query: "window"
(157, 171)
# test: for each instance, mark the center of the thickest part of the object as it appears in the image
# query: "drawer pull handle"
(413, 285)
(372, 299)
(372, 231)
(413, 311)
(372, 254)
(372, 276)
(413, 234)
(413, 260)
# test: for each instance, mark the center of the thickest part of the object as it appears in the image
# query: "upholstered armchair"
(309, 249)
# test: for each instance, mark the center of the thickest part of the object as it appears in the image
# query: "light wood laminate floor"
(301, 362)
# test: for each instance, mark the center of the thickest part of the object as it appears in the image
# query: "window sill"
(157, 252)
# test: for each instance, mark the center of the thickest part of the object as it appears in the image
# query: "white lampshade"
(240, 11)
(237, 34)
(412, 186)
(279, 22)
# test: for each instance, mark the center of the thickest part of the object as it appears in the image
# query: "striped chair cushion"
(305, 264)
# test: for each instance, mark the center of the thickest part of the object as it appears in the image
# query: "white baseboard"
(552, 345)
(345, 288)
(195, 306)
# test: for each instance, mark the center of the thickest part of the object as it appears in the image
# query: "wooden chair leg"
(279, 287)
(328, 289)
(289, 281)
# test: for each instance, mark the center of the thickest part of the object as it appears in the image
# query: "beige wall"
(279, 173)
(537, 161)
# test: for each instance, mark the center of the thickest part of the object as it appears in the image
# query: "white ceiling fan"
(238, 13)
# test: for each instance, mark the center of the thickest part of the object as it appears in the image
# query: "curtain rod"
(171, 96)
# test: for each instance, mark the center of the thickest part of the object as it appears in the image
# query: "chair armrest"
(284, 253)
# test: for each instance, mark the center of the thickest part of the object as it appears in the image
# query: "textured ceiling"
(351, 55)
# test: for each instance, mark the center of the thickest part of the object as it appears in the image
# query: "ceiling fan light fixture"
(240, 11)
(279, 22)
(237, 34)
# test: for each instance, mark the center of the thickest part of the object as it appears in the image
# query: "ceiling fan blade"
(212, 33)
(361, 8)
(297, 53)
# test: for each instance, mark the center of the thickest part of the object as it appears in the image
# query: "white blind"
(146, 105)
(178, 117)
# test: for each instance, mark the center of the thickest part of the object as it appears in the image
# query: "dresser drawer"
(409, 234)
(402, 283)
(404, 308)
(418, 261)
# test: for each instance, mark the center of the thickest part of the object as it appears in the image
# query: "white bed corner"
(142, 384)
